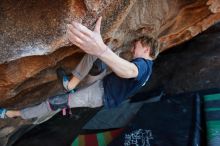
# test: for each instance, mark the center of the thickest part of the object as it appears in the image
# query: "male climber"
(99, 90)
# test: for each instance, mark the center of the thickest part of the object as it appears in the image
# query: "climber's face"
(138, 50)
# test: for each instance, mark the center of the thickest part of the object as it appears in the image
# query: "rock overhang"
(33, 42)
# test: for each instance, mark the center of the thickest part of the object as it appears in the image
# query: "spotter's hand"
(89, 41)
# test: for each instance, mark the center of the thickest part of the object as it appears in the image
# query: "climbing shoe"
(63, 78)
(3, 113)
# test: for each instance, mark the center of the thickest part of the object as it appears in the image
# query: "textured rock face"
(33, 42)
(189, 67)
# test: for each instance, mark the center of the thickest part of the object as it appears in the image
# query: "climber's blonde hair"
(152, 43)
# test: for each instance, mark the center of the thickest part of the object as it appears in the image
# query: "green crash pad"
(212, 116)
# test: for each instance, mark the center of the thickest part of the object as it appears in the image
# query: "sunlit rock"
(33, 42)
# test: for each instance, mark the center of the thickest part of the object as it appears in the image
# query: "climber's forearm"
(119, 66)
(92, 43)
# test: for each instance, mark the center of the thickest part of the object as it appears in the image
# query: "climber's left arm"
(91, 42)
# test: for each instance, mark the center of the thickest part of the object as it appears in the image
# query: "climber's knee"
(58, 102)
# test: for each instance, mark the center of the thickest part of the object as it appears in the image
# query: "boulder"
(33, 39)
